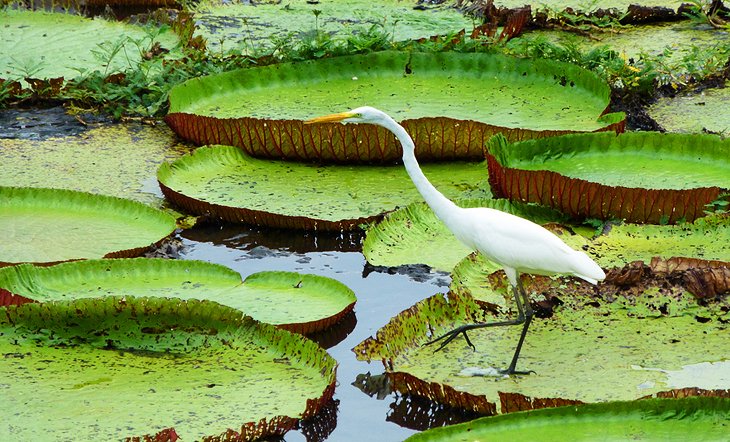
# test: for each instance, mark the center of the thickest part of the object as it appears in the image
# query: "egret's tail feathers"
(587, 269)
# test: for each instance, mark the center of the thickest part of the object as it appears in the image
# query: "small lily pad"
(289, 300)
(134, 367)
(440, 98)
(642, 177)
(52, 225)
(695, 112)
(224, 182)
(660, 420)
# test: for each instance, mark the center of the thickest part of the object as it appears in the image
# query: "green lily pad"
(253, 28)
(694, 112)
(638, 177)
(135, 366)
(52, 225)
(559, 5)
(675, 42)
(224, 182)
(439, 98)
(413, 234)
(289, 300)
(49, 45)
(118, 160)
(707, 238)
(594, 348)
(647, 420)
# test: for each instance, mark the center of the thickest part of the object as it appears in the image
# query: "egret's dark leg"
(528, 319)
(451, 335)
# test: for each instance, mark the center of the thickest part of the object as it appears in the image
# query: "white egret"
(518, 245)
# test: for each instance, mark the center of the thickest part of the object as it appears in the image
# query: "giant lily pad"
(226, 183)
(647, 420)
(48, 45)
(51, 225)
(292, 301)
(449, 102)
(118, 160)
(413, 234)
(638, 177)
(135, 366)
(254, 28)
(595, 347)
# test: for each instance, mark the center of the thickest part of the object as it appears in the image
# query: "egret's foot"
(450, 336)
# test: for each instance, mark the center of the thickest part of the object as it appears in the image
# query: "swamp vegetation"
(182, 258)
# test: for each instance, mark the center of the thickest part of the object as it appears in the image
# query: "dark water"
(380, 296)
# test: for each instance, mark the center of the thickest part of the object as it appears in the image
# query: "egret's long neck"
(441, 206)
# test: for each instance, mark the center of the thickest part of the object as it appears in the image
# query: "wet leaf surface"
(115, 360)
(227, 183)
(261, 109)
(52, 225)
(297, 302)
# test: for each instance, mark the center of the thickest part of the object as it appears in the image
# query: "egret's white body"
(517, 244)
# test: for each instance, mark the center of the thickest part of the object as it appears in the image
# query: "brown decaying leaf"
(435, 138)
(703, 279)
(584, 199)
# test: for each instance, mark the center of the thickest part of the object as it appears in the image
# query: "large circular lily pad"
(135, 366)
(289, 300)
(52, 225)
(224, 182)
(598, 344)
(638, 177)
(450, 103)
(660, 420)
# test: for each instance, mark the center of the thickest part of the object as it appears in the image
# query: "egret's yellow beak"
(332, 118)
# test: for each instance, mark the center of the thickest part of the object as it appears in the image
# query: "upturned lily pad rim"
(630, 415)
(209, 319)
(437, 136)
(186, 280)
(107, 206)
(224, 182)
(581, 198)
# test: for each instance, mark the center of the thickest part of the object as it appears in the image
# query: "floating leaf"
(224, 182)
(707, 239)
(413, 234)
(261, 109)
(289, 300)
(695, 112)
(136, 366)
(646, 420)
(254, 28)
(594, 346)
(120, 160)
(638, 177)
(52, 225)
(48, 45)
